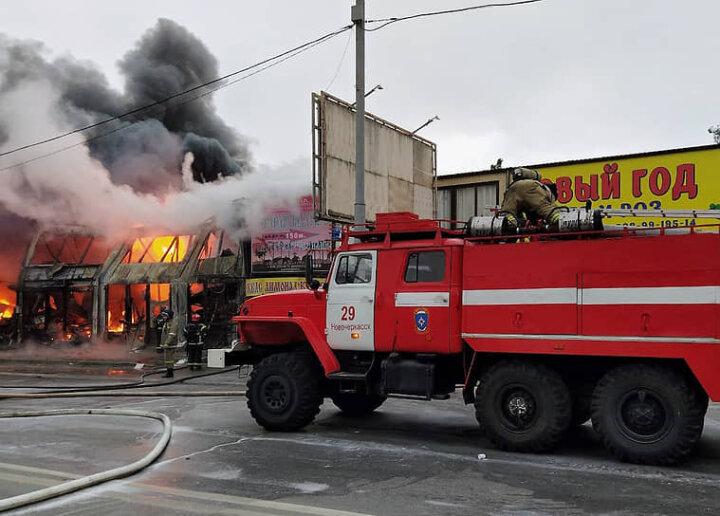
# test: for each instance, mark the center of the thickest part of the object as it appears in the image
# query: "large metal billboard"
(400, 167)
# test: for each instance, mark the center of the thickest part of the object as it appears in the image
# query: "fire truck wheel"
(648, 413)
(357, 404)
(523, 406)
(284, 391)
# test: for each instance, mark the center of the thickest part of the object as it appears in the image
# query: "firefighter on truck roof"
(528, 198)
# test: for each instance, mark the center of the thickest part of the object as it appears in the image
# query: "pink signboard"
(287, 235)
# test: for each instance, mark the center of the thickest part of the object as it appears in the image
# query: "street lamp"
(430, 121)
(376, 87)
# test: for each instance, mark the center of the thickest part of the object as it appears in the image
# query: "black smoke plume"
(144, 150)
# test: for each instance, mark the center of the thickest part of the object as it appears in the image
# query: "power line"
(390, 21)
(342, 59)
(291, 53)
(271, 61)
(294, 52)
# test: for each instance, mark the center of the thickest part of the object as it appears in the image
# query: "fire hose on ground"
(120, 394)
(97, 478)
(139, 384)
(113, 391)
(130, 385)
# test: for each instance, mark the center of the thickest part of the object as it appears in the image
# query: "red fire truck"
(540, 332)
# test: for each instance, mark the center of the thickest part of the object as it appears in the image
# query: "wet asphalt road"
(410, 458)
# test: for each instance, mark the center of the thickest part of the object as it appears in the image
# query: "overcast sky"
(551, 81)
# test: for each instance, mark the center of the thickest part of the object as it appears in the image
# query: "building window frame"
(453, 195)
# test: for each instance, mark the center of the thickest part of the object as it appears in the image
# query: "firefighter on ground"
(195, 333)
(168, 338)
(157, 323)
(527, 198)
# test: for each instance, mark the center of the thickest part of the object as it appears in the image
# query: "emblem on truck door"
(421, 319)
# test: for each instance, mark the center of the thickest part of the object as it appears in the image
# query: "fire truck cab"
(540, 333)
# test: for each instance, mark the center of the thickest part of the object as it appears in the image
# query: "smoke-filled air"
(167, 168)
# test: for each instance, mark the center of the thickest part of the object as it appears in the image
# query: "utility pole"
(358, 18)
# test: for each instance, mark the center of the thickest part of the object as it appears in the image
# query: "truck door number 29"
(348, 313)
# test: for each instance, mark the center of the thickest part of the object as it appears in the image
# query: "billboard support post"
(358, 18)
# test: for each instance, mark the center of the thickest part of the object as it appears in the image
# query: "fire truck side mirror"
(312, 283)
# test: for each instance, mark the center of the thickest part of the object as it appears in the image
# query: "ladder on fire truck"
(670, 214)
(588, 219)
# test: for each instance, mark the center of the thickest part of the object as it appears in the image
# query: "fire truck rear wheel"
(284, 391)
(648, 413)
(522, 406)
(355, 404)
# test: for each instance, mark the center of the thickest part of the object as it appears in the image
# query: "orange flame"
(119, 317)
(209, 250)
(7, 309)
(115, 326)
(165, 249)
(7, 302)
(159, 291)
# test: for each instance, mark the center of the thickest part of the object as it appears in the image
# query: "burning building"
(78, 280)
(57, 286)
(74, 286)
(85, 274)
(7, 305)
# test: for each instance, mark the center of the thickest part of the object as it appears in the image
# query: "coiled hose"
(115, 390)
(97, 478)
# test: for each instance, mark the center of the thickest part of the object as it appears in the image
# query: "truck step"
(407, 396)
(418, 396)
(346, 376)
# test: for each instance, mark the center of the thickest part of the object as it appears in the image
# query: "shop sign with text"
(289, 234)
(688, 179)
(259, 286)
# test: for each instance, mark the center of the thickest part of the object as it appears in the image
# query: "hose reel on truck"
(574, 220)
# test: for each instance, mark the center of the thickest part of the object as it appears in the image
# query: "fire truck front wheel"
(522, 406)
(284, 391)
(648, 413)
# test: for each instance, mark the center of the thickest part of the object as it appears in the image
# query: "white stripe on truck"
(422, 299)
(650, 296)
(594, 296)
(524, 296)
(597, 338)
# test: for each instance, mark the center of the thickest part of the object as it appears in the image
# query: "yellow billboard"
(259, 286)
(682, 179)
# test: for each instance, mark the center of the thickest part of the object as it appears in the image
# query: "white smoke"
(72, 188)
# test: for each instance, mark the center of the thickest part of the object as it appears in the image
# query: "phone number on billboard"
(652, 205)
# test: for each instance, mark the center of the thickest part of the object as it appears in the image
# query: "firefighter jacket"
(169, 338)
(529, 199)
(195, 333)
